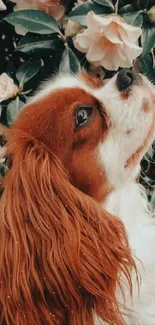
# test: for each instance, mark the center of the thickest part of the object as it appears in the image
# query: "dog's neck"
(129, 202)
(131, 205)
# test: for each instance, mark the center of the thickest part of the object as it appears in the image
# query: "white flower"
(2, 6)
(7, 87)
(109, 41)
(52, 7)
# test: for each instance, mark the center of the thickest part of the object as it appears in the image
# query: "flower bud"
(2, 6)
(151, 14)
(72, 29)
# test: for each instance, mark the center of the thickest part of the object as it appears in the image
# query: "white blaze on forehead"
(58, 83)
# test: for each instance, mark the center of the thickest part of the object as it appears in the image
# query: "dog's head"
(61, 254)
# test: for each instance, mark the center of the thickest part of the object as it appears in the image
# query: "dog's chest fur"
(130, 204)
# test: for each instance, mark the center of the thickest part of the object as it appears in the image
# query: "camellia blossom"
(7, 87)
(53, 7)
(109, 41)
(2, 6)
(151, 14)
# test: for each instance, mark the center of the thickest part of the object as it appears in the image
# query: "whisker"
(144, 179)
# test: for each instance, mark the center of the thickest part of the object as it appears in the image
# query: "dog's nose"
(127, 78)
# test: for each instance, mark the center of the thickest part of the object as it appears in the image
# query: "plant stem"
(116, 6)
(61, 36)
(153, 58)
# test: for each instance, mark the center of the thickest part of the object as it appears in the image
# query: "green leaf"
(134, 18)
(27, 71)
(3, 170)
(79, 14)
(13, 110)
(146, 64)
(38, 45)
(148, 37)
(69, 62)
(151, 3)
(151, 76)
(144, 3)
(126, 9)
(105, 3)
(34, 21)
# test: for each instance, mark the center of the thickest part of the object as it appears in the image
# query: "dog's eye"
(83, 114)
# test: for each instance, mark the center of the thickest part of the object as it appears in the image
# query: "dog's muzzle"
(126, 78)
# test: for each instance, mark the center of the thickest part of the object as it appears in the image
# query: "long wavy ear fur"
(61, 254)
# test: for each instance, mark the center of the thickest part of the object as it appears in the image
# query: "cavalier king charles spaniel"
(75, 227)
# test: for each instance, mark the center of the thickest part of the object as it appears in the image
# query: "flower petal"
(82, 42)
(132, 32)
(96, 21)
(132, 52)
(7, 87)
(125, 62)
(57, 11)
(111, 60)
(112, 34)
(126, 35)
(2, 6)
(96, 50)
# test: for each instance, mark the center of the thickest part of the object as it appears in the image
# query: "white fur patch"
(130, 204)
(130, 126)
(59, 82)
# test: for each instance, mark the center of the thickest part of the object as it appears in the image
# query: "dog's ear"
(61, 254)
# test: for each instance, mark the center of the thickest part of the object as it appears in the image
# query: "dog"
(70, 202)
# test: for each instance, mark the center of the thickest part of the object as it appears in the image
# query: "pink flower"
(53, 7)
(109, 41)
(2, 6)
(151, 14)
(7, 87)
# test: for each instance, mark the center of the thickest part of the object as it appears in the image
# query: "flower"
(52, 7)
(151, 14)
(2, 6)
(7, 87)
(72, 29)
(109, 41)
